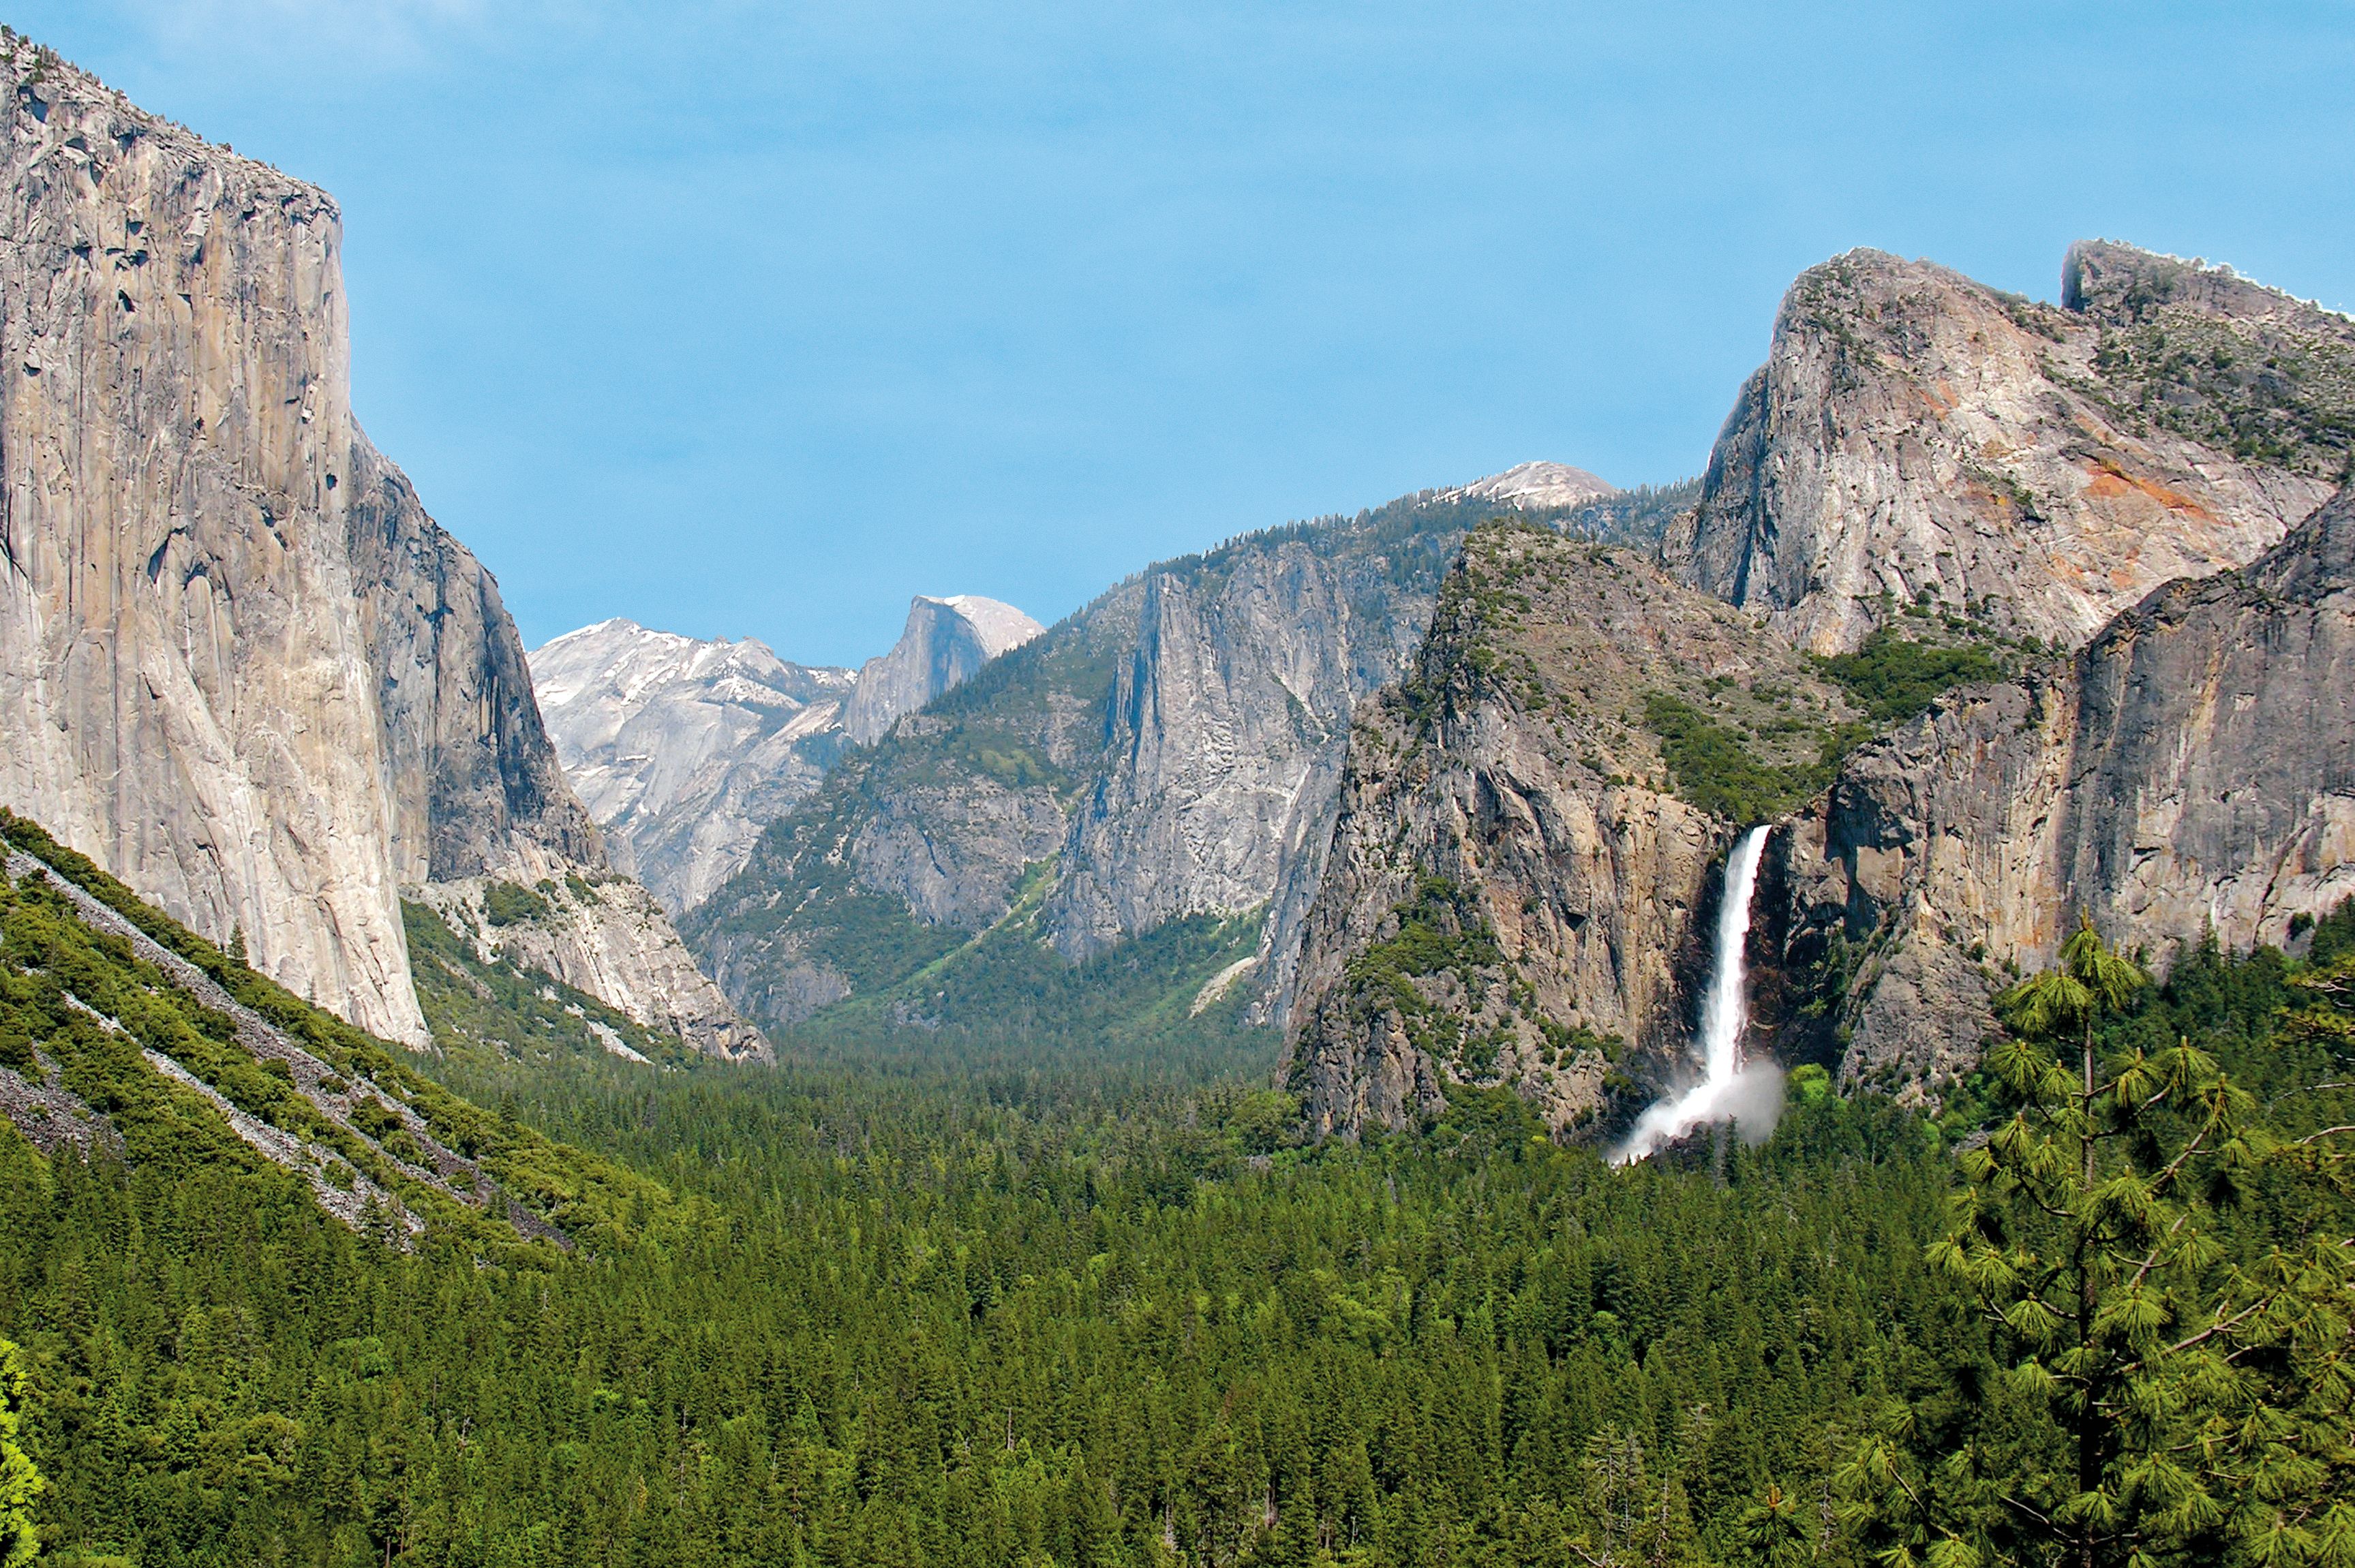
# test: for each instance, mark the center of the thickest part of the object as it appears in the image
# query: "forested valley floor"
(1055, 1311)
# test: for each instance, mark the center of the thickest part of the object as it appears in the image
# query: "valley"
(1802, 1015)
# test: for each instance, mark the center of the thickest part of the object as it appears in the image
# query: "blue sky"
(742, 319)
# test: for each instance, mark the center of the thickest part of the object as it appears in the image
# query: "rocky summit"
(1918, 438)
(2000, 612)
(945, 642)
(683, 749)
(241, 666)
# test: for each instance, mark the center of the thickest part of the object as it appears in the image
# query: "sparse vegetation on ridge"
(83, 997)
(507, 1011)
(1715, 769)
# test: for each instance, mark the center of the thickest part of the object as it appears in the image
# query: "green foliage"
(1715, 769)
(944, 1323)
(1637, 516)
(2166, 1370)
(1440, 931)
(2278, 391)
(868, 939)
(496, 1008)
(1894, 678)
(1005, 999)
(511, 903)
(1440, 928)
(20, 1482)
(1007, 1310)
(60, 978)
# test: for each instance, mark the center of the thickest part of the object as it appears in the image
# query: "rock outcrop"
(1918, 436)
(945, 642)
(683, 750)
(1225, 726)
(2191, 771)
(1172, 750)
(474, 785)
(238, 664)
(605, 935)
(1515, 875)
(2124, 476)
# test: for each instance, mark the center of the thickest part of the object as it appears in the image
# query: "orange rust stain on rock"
(2109, 481)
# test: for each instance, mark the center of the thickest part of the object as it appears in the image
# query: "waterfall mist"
(1730, 1090)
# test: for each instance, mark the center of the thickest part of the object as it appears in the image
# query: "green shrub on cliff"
(1892, 678)
(1715, 769)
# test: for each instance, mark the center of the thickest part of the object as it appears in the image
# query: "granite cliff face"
(474, 785)
(1223, 733)
(184, 684)
(683, 750)
(1171, 753)
(239, 664)
(1916, 436)
(1940, 479)
(2191, 771)
(945, 642)
(1514, 878)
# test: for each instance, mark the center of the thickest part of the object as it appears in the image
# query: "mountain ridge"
(1168, 753)
(684, 749)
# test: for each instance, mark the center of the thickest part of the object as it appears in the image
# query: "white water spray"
(1751, 1098)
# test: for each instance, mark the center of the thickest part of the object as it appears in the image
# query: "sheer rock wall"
(2191, 771)
(1514, 881)
(1914, 434)
(239, 666)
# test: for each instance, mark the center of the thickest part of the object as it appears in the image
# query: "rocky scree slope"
(238, 661)
(1169, 752)
(683, 749)
(122, 1031)
(2191, 772)
(1915, 436)
(1517, 862)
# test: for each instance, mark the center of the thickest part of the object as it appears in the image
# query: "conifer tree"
(2194, 1384)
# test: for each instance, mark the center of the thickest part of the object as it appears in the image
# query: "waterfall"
(1730, 1090)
